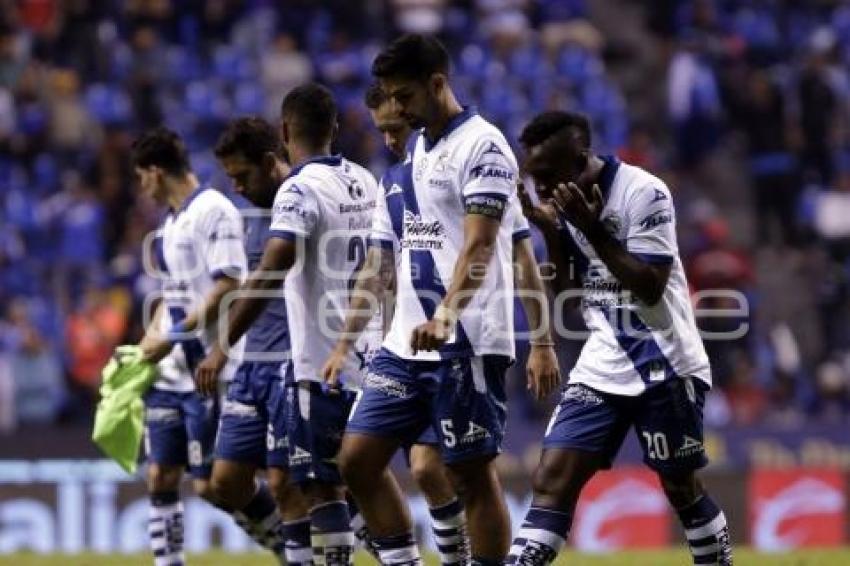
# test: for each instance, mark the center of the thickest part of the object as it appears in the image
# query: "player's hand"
(334, 366)
(206, 375)
(429, 336)
(544, 375)
(543, 215)
(154, 349)
(580, 210)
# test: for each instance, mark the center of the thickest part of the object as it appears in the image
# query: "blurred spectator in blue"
(35, 369)
(693, 101)
(772, 164)
(283, 67)
(819, 108)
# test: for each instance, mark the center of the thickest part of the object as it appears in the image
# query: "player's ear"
(269, 162)
(436, 83)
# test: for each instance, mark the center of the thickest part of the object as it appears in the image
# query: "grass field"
(649, 558)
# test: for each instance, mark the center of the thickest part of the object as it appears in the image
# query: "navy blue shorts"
(180, 429)
(315, 424)
(667, 419)
(253, 417)
(462, 400)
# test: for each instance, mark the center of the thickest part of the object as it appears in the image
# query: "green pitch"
(650, 558)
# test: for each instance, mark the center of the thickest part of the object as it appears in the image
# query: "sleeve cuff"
(380, 243)
(521, 235)
(285, 235)
(231, 271)
(654, 259)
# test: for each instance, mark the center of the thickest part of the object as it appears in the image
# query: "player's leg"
(469, 416)
(390, 411)
(448, 519)
(165, 447)
(292, 504)
(316, 423)
(669, 426)
(583, 436)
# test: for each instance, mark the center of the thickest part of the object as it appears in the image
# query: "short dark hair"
(250, 136)
(312, 111)
(163, 148)
(549, 124)
(375, 96)
(412, 56)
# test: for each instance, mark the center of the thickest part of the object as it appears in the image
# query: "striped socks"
(331, 534)
(261, 519)
(299, 551)
(707, 532)
(449, 525)
(541, 537)
(165, 529)
(398, 550)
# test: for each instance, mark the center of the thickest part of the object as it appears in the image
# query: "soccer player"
(430, 474)
(199, 255)
(444, 358)
(643, 365)
(252, 433)
(321, 218)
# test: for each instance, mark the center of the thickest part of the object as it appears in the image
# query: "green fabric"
(119, 421)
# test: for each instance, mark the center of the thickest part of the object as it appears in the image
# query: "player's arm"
(644, 274)
(480, 231)
(279, 255)
(373, 280)
(542, 364)
(153, 332)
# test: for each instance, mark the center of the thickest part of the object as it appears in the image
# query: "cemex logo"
(796, 508)
(621, 508)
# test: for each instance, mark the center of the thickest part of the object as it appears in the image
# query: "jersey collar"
(467, 113)
(606, 175)
(329, 160)
(192, 196)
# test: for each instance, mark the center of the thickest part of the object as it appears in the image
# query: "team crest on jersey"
(355, 190)
(442, 164)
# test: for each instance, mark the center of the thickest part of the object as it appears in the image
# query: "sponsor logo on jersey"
(299, 456)
(475, 433)
(440, 183)
(290, 208)
(422, 234)
(359, 207)
(491, 171)
(657, 218)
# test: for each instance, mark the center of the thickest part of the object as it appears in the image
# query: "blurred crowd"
(741, 106)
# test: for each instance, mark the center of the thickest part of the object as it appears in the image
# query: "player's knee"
(475, 479)
(204, 490)
(681, 489)
(353, 464)
(164, 478)
(557, 482)
(428, 473)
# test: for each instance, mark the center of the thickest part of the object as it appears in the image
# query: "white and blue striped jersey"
(327, 203)
(633, 345)
(196, 244)
(420, 214)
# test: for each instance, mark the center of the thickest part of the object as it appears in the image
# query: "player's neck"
(180, 190)
(591, 174)
(449, 109)
(300, 154)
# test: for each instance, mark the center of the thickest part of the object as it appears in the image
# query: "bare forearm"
(469, 273)
(532, 292)
(246, 309)
(564, 276)
(369, 291)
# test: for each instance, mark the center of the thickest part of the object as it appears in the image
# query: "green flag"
(119, 421)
